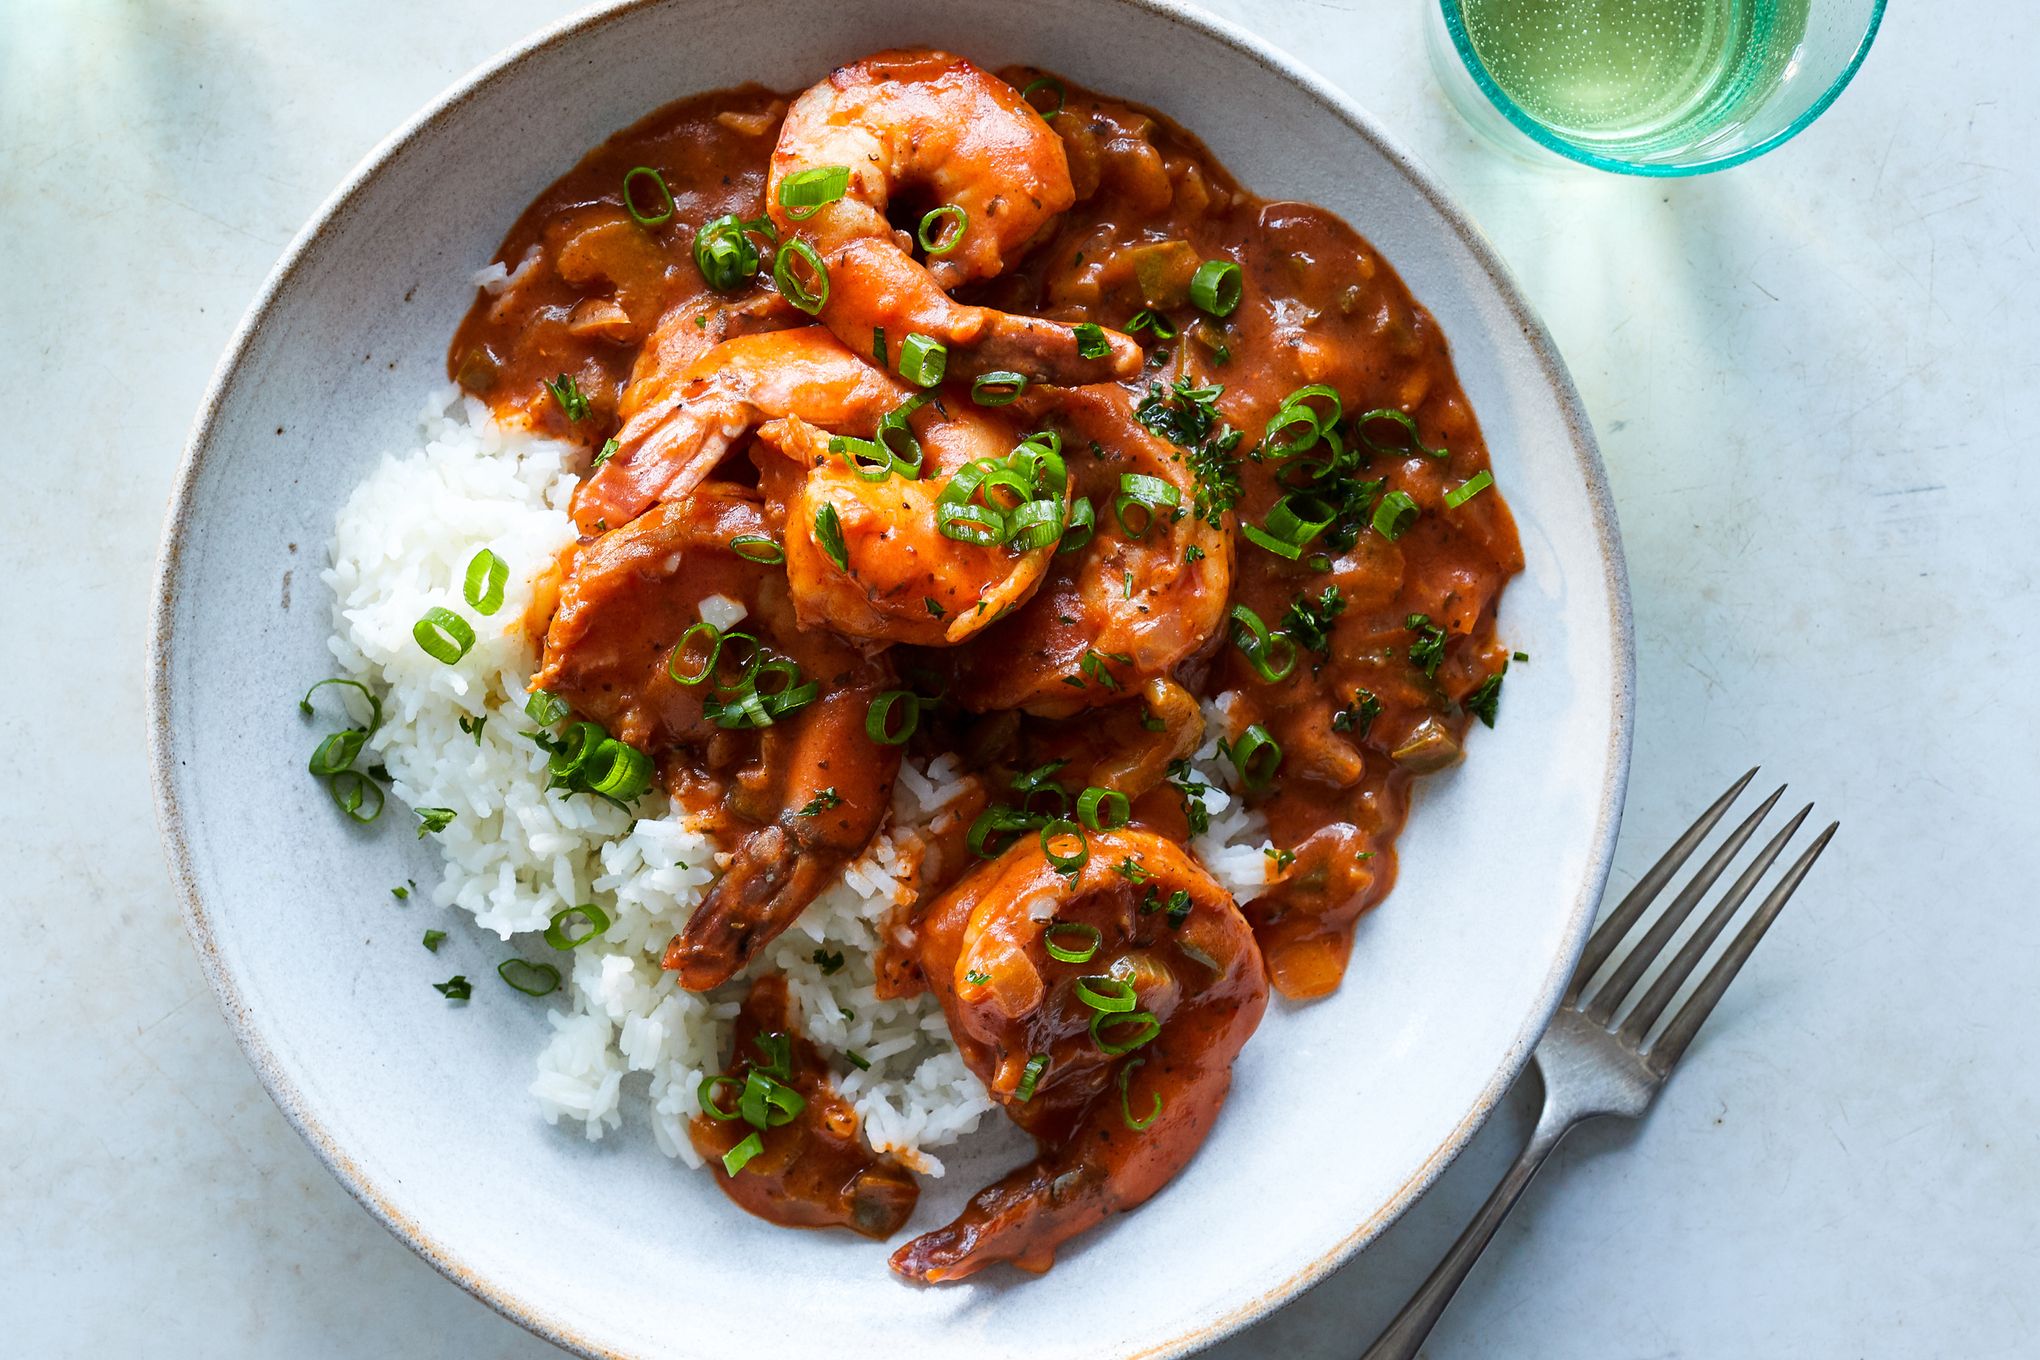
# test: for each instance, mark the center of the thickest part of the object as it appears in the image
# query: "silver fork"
(1591, 1066)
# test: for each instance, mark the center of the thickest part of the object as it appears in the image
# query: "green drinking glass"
(1649, 87)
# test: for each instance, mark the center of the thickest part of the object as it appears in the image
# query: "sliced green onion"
(455, 988)
(768, 1103)
(336, 752)
(532, 979)
(1053, 86)
(1272, 657)
(1091, 341)
(560, 936)
(1394, 515)
(1293, 522)
(923, 359)
(1126, 1108)
(617, 770)
(665, 196)
(934, 238)
(1002, 388)
(1107, 995)
(896, 437)
(444, 635)
(725, 254)
(1413, 443)
(1468, 489)
(878, 717)
(545, 708)
(1216, 287)
(1062, 828)
(829, 536)
(1145, 1027)
(350, 790)
(857, 1060)
(991, 825)
(1035, 524)
(1147, 494)
(1083, 523)
(1103, 809)
(1030, 1078)
(487, 574)
(575, 749)
(705, 1094)
(715, 641)
(1150, 320)
(739, 1157)
(808, 297)
(432, 939)
(374, 704)
(760, 548)
(806, 192)
(433, 819)
(979, 525)
(1090, 936)
(1256, 756)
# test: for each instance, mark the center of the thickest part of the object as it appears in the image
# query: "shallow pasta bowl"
(1343, 1111)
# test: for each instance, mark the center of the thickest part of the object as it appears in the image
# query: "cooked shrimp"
(1128, 606)
(900, 579)
(681, 426)
(630, 598)
(1160, 939)
(929, 123)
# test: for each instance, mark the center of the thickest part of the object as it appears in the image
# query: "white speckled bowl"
(1343, 1112)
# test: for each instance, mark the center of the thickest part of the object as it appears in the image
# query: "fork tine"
(1672, 1043)
(1688, 958)
(1639, 959)
(1610, 932)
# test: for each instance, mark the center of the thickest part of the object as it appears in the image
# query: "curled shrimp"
(931, 124)
(682, 424)
(1115, 1050)
(1148, 591)
(795, 798)
(887, 572)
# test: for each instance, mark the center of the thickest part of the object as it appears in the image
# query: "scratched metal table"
(1814, 379)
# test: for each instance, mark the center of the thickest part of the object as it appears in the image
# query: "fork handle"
(1405, 1336)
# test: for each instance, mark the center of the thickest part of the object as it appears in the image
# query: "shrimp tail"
(768, 883)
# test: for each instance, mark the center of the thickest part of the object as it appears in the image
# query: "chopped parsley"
(572, 401)
(1429, 648)
(1130, 869)
(432, 939)
(455, 988)
(1358, 716)
(1176, 907)
(821, 802)
(1094, 666)
(1310, 621)
(1187, 415)
(976, 978)
(1282, 858)
(433, 819)
(934, 606)
(828, 961)
(1185, 782)
(608, 452)
(1483, 702)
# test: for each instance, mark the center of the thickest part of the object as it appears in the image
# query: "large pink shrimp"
(932, 124)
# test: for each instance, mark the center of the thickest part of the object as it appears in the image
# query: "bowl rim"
(172, 817)
(1452, 11)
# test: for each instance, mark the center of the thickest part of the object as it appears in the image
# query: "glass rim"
(1550, 141)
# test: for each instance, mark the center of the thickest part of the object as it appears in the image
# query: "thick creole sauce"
(1363, 655)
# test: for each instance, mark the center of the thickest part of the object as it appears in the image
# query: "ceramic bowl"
(1343, 1111)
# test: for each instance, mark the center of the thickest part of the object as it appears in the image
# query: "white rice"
(516, 852)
